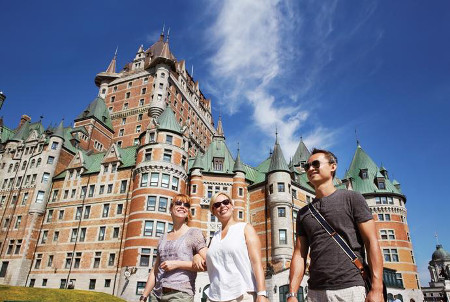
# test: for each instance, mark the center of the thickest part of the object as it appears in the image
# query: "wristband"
(288, 295)
(143, 298)
(262, 293)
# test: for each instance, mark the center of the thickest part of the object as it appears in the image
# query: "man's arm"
(369, 235)
(298, 265)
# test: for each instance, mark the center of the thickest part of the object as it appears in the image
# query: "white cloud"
(271, 54)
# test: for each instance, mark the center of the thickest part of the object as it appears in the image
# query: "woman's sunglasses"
(179, 203)
(223, 202)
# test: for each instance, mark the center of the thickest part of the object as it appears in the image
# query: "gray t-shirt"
(330, 267)
(183, 248)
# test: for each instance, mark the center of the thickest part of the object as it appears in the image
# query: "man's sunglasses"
(179, 203)
(315, 164)
(223, 202)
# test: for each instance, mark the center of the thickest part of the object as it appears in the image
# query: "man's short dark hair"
(332, 159)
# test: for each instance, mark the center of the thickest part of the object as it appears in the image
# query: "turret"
(239, 187)
(102, 79)
(279, 202)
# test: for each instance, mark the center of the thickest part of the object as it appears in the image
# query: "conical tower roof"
(301, 154)
(160, 53)
(167, 121)
(198, 163)
(440, 254)
(97, 109)
(277, 161)
(219, 130)
(59, 130)
(109, 75)
(238, 166)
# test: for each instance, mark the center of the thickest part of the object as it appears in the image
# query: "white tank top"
(229, 267)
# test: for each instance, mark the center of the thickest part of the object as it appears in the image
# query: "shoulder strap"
(337, 238)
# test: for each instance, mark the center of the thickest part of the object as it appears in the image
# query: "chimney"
(23, 119)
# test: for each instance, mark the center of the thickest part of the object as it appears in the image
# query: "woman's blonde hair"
(214, 197)
(184, 199)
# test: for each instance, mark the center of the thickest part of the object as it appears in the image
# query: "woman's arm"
(151, 279)
(254, 252)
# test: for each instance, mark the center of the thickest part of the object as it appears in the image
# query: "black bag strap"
(337, 238)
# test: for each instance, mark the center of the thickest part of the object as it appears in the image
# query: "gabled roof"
(365, 186)
(97, 109)
(277, 161)
(217, 149)
(167, 121)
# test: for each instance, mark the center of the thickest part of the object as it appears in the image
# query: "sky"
(328, 71)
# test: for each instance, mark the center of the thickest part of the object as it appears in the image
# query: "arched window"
(38, 162)
(10, 168)
(24, 165)
(16, 167)
(32, 163)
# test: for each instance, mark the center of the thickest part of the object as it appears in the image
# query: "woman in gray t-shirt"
(172, 276)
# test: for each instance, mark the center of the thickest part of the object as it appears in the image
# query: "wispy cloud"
(271, 54)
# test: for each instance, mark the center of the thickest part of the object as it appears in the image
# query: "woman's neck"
(178, 225)
(226, 224)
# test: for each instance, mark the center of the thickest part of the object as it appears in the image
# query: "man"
(397, 299)
(333, 277)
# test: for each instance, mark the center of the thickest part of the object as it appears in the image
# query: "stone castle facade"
(84, 206)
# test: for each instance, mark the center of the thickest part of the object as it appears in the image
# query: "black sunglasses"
(179, 203)
(223, 202)
(315, 164)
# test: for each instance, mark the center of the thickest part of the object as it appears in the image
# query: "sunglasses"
(179, 203)
(223, 202)
(315, 164)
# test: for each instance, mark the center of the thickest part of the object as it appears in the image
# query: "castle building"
(439, 267)
(83, 206)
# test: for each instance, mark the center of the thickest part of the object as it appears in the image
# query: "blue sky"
(316, 69)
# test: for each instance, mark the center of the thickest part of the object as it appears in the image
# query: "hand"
(261, 299)
(169, 265)
(375, 296)
(199, 263)
(292, 299)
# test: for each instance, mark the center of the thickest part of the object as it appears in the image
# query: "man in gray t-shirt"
(332, 274)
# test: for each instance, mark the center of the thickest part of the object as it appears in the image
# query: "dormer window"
(381, 185)
(218, 163)
(364, 174)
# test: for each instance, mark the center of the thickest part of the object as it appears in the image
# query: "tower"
(102, 79)
(279, 204)
(439, 268)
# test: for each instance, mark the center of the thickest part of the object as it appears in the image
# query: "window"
(121, 131)
(33, 179)
(32, 282)
(159, 97)
(54, 195)
(101, 190)
(241, 215)
(390, 255)
(145, 257)
(169, 139)
(107, 282)
(82, 234)
(116, 231)
(384, 217)
(5, 268)
(66, 194)
(138, 128)
(50, 160)
(54, 145)
(92, 283)
(381, 185)
(144, 179)
(154, 179)
(91, 190)
(127, 96)
(136, 141)
(74, 235)
(77, 260)
(111, 259)
(83, 191)
(61, 214)
(175, 183)
(151, 203)
(281, 187)
(19, 244)
(167, 157)
(140, 117)
(241, 192)
(148, 228)
(124, 121)
(281, 212)
(44, 282)
(119, 209)
(44, 237)
(110, 187)
(271, 189)
(87, 212)
(387, 234)
(113, 98)
(105, 210)
(140, 286)
(50, 261)
(282, 236)
(218, 163)
(55, 236)
(63, 283)
(162, 204)
(101, 233)
(40, 197)
(78, 213)
(165, 180)
(194, 189)
(160, 227)
(72, 194)
(412, 257)
(141, 102)
(123, 186)
(49, 215)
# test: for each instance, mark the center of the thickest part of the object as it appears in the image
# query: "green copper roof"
(6, 134)
(238, 167)
(302, 179)
(277, 161)
(93, 162)
(368, 185)
(253, 175)
(59, 130)
(22, 132)
(264, 166)
(97, 108)
(301, 154)
(198, 162)
(67, 137)
(167, 121)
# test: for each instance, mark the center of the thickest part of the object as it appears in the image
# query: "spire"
(301, 154)
(277, 161)
(112, 66)
(161, 36)
(110, 74)
(167, 121)
(168, 34)
(219, 130)
(59, 130)
(198, 163)
(238, 166)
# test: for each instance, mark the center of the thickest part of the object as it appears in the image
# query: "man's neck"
(325, 189)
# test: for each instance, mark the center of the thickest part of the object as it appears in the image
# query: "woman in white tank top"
(233, 259)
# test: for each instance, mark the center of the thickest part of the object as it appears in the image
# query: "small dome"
(440, 254)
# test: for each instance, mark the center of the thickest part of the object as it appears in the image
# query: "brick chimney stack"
(23, 119)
